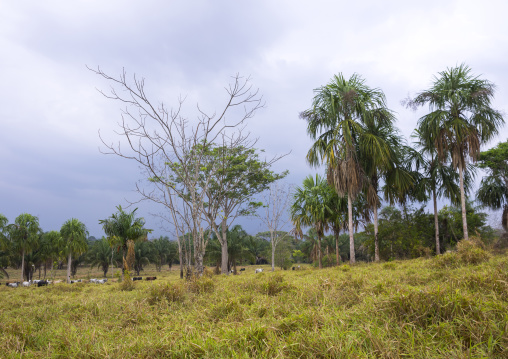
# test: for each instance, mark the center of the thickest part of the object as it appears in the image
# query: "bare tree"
(164, 143)
(277, 201)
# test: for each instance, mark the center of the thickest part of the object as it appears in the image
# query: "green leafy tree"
(4, 246)
(74, 234)
(234, 176)
(493, 190)
(337, 122)
(460, 121)
(24, 235)
(122, 227)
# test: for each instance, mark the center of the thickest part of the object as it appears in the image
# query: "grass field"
(442, 307)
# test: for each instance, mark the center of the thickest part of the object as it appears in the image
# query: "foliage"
(470, 252)
(122, 227)
(460, 121)
(493, 191)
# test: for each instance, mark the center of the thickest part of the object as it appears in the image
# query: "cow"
(42, 283)
(137, 278)
(13, 284)
(58, 281)
(101, 281)
(242, 269)
(150, 278)
(259, 270)
(93, 280)
(27, 284)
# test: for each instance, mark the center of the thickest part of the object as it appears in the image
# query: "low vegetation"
(420, 308)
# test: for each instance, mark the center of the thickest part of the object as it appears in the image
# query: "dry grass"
(415, 309)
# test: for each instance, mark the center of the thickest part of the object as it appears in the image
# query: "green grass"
(416, 309)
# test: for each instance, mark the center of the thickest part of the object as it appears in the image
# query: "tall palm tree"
(460, 121)
(310, 209)
(74, 234)
(122, 227)
(24, 236)
(337, 122)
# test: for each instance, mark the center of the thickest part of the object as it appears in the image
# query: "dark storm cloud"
(51, 112)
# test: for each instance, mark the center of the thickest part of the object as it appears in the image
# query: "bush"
(172, 292)
(200, 285)
(127, 284)
(470, 252)
(274, 285)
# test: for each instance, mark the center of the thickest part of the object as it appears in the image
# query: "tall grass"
(418, 309)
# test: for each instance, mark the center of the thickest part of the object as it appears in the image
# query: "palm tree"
(100, 255)
(460, 121)
(337, 122)
(337, 217)
(24, 236)
(122, 227)
(493, 190)
(310, 208)
(142, 255)
(383, 155)
(161, 250)
(74, 234)
(50, 242)
(438, 179)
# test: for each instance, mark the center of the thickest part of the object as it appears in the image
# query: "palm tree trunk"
(69, 268)
(463, 201)
(352, 259)
(376, 238)
(22, 265)
(436, 222)
(337, 247)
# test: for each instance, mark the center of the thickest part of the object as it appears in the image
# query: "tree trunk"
(319, 252)
(224, 249)
(352, 258)
(463, 201)
(436, 222)
(69, 268)
(23, 265)
(180, 258)
(337, 234)
(273, 257)
(376, 236)
(123, 261)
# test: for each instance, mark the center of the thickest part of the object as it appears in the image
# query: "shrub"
(171, 292)
(468, 252)
(200, 285)
(274, 285)
(127, 284)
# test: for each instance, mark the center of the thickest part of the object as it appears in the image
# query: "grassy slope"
(416, 309)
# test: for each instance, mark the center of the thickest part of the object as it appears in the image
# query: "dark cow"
(242, 269)
(150, 278)
(137, 278)
(42, 283)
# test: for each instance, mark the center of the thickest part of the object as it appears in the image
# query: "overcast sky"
(51, 112)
